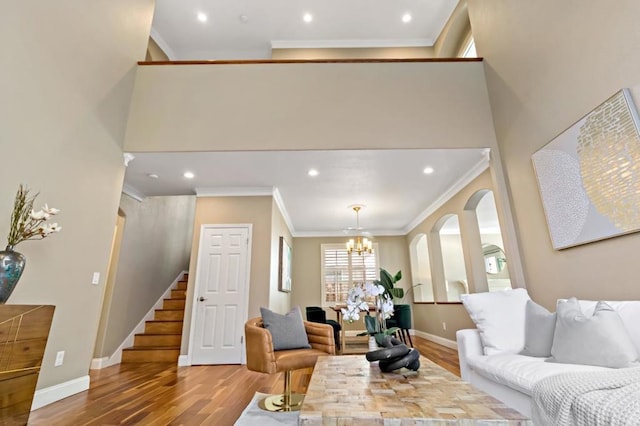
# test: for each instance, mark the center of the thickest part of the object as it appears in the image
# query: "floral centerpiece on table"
(383, 304)
(28, 224)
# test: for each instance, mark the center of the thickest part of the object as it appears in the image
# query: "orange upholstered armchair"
(261, 357)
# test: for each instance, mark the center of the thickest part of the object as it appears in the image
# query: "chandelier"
(359, 244)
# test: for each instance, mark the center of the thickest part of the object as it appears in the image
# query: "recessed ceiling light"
(406, 18)
(202, 17)
(428, 170)
(307, 17)
(152, 176)
(189, 175)
(312, 172)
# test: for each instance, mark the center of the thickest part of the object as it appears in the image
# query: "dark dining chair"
(401, 318)
(317, 314)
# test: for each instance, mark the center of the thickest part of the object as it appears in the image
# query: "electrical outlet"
(59, 359)
(444, 326)
(96, 278)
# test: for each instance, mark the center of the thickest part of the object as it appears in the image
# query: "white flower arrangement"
(356, 303)
(28, 224)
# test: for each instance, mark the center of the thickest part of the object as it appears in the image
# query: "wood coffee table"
(348, 390)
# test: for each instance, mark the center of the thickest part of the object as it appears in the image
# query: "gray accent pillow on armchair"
(600, 340)
(287, 331)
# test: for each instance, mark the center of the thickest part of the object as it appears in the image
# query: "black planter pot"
(402, 315)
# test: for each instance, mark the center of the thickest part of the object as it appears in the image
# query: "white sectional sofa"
(509, 376)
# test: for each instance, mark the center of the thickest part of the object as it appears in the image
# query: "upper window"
(469, 50)
(342, 270)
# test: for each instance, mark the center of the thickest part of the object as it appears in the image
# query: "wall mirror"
(495, 260)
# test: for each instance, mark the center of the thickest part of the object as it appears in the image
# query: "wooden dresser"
(24, 330)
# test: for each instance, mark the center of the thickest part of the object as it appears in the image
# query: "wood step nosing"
(157, 334)
(152, 348)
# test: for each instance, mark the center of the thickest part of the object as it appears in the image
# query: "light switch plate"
(59, 359)
(96, 278)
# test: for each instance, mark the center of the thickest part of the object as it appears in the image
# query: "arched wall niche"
(450, 281)
(421, 269)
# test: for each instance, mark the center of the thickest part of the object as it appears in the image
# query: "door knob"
(201, 299)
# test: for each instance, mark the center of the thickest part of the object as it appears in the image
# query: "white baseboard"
(183, 361)
(116, 357)
(436, 339)
(60, 391)
(98, 363)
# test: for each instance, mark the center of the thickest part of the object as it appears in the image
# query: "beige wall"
(155, 249)
(235, 210)
(335, 106)
(155, 52)
(278, 301)
(63, 114)
(393, 255)
(455, 32)
(354, 53)
(541, 80)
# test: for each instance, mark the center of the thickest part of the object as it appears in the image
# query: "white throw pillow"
(499, 317)
(629, 311)
(600, 339)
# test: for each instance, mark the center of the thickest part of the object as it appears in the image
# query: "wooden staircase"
(162, 335)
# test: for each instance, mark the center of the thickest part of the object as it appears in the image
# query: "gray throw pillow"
(600, 340)
(287, 331)
(539, 326)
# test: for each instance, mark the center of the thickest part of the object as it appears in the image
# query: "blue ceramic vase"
(11, 267)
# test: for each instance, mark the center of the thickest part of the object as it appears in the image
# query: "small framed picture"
(284, 267)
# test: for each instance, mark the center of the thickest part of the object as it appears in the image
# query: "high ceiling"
(248, 29)
(397, 194)
(390, 183)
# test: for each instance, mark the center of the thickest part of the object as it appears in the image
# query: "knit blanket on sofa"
(597, 398)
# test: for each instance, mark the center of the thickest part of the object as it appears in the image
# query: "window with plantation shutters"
(341, 271)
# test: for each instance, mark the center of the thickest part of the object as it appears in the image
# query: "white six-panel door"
(220, 295)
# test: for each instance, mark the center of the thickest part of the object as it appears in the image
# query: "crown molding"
(133, 192)
(250, 191)
(163, 44)
(342, 44)
(235, 191)
(283, 210)
(465, 180)
(340, 234)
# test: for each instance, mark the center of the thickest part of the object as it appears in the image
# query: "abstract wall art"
(589, 175)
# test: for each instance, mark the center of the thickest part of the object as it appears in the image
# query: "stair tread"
(155, 320)
(170, 310)
(158, 334)
(152, 348)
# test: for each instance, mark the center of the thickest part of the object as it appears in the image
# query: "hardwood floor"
(162, 394)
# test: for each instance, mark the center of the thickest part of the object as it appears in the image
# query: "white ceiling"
(248, 29)
(390, 183)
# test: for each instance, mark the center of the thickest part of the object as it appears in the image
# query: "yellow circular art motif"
(609, 152)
